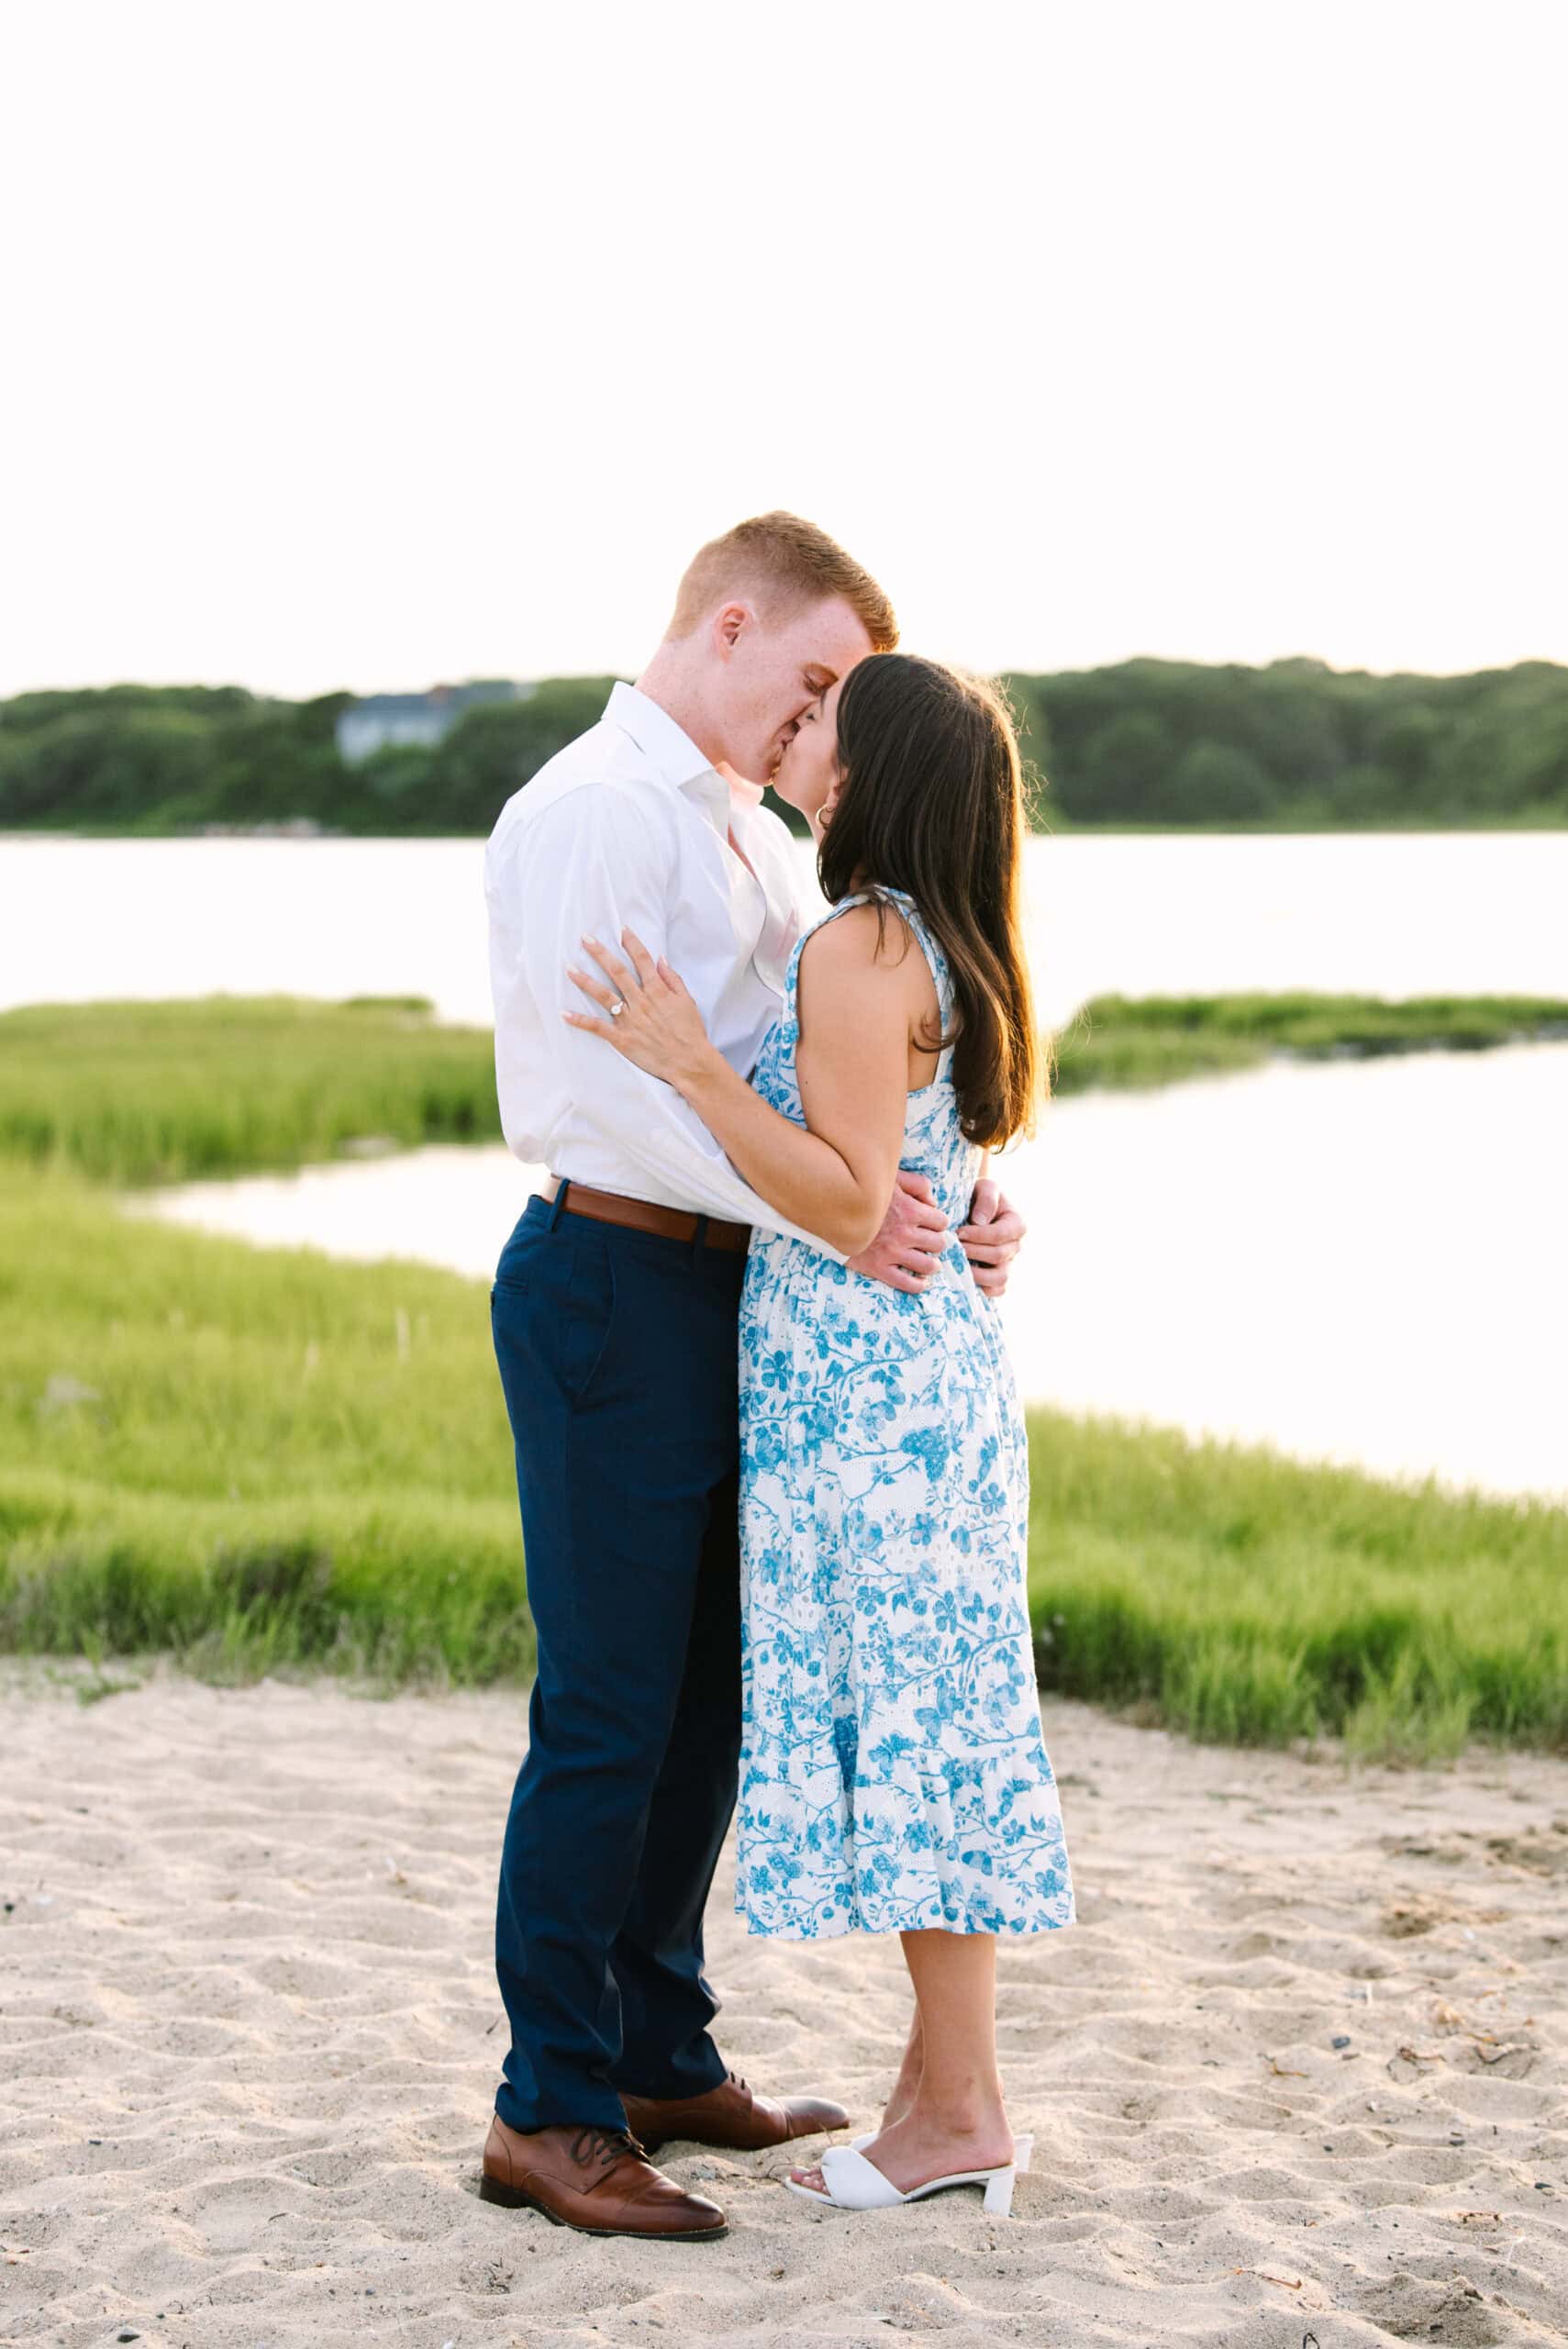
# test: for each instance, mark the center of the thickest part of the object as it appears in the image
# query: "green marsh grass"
(165, 1092)
(250, 1457)
(1134, 1042)
(263, 1458)
(142, 1092)
(1249, 1599)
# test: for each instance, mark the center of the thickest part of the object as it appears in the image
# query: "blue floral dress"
(893, 1774)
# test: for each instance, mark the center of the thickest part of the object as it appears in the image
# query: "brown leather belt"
(641, 1214)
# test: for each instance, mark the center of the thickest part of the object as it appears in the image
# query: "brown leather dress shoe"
(733, 2115)
(597, 2180)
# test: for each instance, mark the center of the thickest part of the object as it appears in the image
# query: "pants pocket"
(587, 1312)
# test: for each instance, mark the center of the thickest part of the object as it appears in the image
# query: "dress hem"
(897, 1925)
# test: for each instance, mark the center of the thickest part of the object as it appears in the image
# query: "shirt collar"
(669, 748)
(673, 756)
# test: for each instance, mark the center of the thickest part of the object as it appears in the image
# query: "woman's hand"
(661, 1028)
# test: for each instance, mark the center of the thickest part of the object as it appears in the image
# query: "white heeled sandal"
(1022, 2148)
(855, 2183)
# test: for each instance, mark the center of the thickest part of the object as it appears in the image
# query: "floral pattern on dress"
(893, 1772)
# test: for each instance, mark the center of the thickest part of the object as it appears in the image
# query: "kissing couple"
(772, 1469)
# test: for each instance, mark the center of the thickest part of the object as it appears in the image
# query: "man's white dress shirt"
(628, 828)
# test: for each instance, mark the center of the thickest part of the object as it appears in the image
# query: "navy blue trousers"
(617, 1356)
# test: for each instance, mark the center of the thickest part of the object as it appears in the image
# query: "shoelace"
(606, 2146)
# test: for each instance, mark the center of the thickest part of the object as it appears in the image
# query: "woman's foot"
(922, 2146)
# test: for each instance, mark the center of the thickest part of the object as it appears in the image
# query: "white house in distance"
(376, 719)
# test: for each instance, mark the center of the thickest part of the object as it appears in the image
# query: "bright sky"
(361, 344)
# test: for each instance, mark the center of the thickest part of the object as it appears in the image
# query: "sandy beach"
(251, 2036)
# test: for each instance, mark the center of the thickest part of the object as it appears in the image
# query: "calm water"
(1364, 1261)
(1381, 914)
(1355, 1260)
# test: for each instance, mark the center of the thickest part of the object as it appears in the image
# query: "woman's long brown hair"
(932, 802)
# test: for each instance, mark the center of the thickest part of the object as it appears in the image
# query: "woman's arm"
(836, 1176)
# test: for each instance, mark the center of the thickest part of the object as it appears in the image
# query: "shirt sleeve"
(596, 863)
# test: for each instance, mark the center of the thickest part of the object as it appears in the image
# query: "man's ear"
(729, 625)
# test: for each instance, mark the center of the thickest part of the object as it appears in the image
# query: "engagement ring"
(618, 1006)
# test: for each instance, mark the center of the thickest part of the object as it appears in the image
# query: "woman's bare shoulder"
(852, 971)
(857, 941)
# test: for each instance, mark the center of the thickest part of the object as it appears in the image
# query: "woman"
(893, 1775)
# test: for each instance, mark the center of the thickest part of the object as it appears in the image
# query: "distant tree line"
(176, 758)
(1147, 742)
(1169, 743)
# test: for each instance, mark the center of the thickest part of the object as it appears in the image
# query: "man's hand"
(991, 1237)
(914, 1233)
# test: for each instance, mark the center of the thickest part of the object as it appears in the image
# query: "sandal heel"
(1000, 2192)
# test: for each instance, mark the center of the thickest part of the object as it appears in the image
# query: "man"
(613, 1316)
